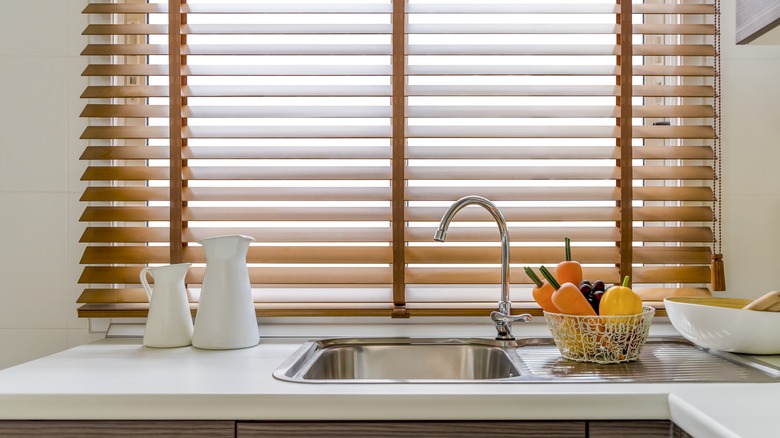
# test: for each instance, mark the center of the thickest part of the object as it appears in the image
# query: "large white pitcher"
(169, 322)
(226, 312)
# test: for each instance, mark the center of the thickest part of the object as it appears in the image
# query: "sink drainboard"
(667, 360)
(526, 361)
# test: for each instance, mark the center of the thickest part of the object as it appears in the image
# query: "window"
(337, 134)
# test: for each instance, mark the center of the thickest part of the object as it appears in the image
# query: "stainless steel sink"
(472, 360)
(401, 359)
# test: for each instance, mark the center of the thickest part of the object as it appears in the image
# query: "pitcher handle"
(145, 283)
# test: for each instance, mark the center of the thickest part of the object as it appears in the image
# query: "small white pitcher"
(169, 323)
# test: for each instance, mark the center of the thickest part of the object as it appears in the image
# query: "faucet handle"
(504, 322)
(504, 318)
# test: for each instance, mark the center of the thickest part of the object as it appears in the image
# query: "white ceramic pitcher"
(169, 322)
(226, 312)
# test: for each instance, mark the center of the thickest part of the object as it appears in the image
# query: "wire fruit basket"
(600, 339)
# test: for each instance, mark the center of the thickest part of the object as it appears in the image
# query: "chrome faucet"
(503, 317)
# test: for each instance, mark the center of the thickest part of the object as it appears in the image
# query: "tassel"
(717, 273)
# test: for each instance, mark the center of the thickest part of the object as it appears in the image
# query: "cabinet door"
(634, 429)
(416, 429)
(125, 429)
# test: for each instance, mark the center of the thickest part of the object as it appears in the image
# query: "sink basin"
(473, 360)
(402, 359)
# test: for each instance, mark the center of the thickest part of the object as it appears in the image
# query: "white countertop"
(119, 378)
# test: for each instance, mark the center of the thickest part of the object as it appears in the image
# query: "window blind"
(337, 134)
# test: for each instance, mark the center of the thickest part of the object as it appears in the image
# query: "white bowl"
(721, 324)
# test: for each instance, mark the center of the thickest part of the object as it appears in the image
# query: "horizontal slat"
(288, 173)
(137, 234)
(672, 255)
(698, 214)
(512, 28)
(672, 111)
(673, 194)
(286, 29)
(236, 152)
(545, 70)
(511, 111)
(287, 90)
(515, 132)
(554, 172)
(125, 70)
(286, 111)
(673, 70)
(515, 49)
(125, 91)
(464, 275)
(508, 8)
(126, 29)
(285, 49)
(558, 193)
(674, 29)
(671, 274)
(674, 50)
(118, 110)
(452, 194)
(704, 132)
(286, 194)
(125, 194)
(125, 173)
(276, 275)
(557, 214)
(512, 90)
(358, 255)
(280, 152)
(552, 234)
(287, 70)
(518, 255)
(126, 132)
(124, 214)
(558, 152)
(125, 8)
(674, 90)
(358, 131)
(106, 255)
(551, 256)
(124, 295)
(192, 214)
(660, 8)
(288, 8)
(124, 49)
(124, 152)
(265, 234)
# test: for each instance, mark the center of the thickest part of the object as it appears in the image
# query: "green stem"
(550, 279)
(567, 244)
(625, 281)
(532, 275)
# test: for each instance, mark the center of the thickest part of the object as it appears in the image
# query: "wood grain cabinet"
(380, 429)
(125, 429)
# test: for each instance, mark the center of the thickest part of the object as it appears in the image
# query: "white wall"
(40, 85)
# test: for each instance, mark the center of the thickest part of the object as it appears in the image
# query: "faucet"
(503, 317)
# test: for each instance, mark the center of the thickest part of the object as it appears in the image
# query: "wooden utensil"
(766, 303)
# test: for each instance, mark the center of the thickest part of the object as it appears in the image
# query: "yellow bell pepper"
(620, 300)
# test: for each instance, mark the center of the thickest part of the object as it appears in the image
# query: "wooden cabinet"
(295, 429)
(428, 429)
(125, 429)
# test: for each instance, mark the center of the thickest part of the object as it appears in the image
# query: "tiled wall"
(40, 84)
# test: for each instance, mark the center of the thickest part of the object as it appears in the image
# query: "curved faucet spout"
(503, 325)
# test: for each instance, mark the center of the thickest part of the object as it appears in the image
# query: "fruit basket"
(600, 339)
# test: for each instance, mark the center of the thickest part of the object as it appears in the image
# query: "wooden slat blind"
(337, 134)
